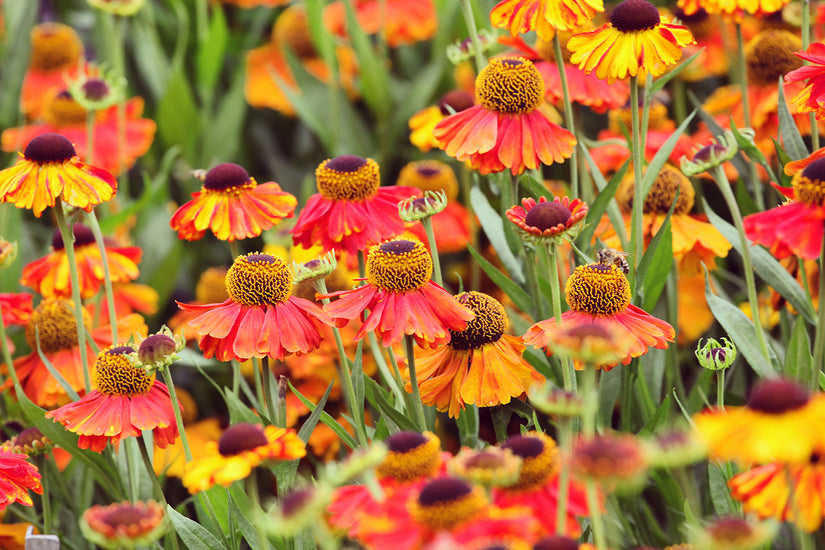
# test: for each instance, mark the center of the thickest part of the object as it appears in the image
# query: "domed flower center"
(83, 236)
(227, 177)
(634, 16)
(510, 85)
(292, 30)
(731, 530)
(457, 100)
(348, 178)
(598, 289)
(430, 175)
(556, 542)
(399, 265)
(259, 279)
(53, 321)
(54, 47)
(778, 397)
(488, 325)
(47, 148)
(540, 459)
(63, 111)
(609, 459)
(211, 286)
(241, 437)
(29, 438)
(547, 215)
(411, 456)
(116, 375)
(447, 502)
(668, 182)
(95, 89)
(486, 460)
(125, 515)
(809, 185)
(770, 54)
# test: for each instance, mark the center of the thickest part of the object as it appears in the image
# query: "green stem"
(428, 227)
(530, 267)
(724, 186)
(743, 82)
(107, 275)
(269, 399)
(590, 398)
(418, 406)
(806, 41)
(568, 371)
(68, 245)
(41, 462)
(720, 389)
(565, 435)
(636, 237)
(234, 249)
(595, 515)
(90, 137)
(819, 337)
(467, 10)
(569, 121)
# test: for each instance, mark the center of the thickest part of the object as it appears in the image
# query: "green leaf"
(767, 267)
(604, 202)
(210, 53)
(178, 118)
(357, 375)
(742, 332)
(788, 131)
(375, 84)
(239, 505)
(342, 434)
(657, 262)
(193, 534)
(798, 358)
(719, 493)
(515, 292)
(378, 398)
(659, 417)
(661, 156)
(223, 140)
(491, 222)
(312, 420)
(149, 55)
(660, 82)
(238, 411)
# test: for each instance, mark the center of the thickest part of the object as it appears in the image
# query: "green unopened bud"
(715, 355)
(556, 402)
(721, 150)
(300, 509)
(315, 269)
(419, 208)
(461, 51)
(160, 349)
(97, 91)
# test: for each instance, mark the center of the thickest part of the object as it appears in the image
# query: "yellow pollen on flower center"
(598, 290)
(114, 374)
(55, 324)
(411, 456)
(809, 184)
(54, 46)
(446, 502)
(399, 265)
(488, 325)
(63, 111)
(540, 459)
(510, 84)
(348, 177)
(259, 279)
(668, 182)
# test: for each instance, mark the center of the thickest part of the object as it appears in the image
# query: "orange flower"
(49, 168)
(600, 295)
(210, 289)
(479, 365)
(233, 206)
(507, 129)
(53, 323)
(124, 524)
(126, 400)
(812, 97)
(240, 448)
(351, 210)
(399, 21)
(547, 220)
(424, 121)
(401, 298)
(50, 275)
(171, 460)
(130, 298)
(17, 307)
(17, 478)
(543, 16)
(260, 317)
(63, 115)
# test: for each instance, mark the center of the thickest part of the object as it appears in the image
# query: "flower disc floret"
(399, 265)
(114, 373)
(348, 177)
(430, 175)
(47, 148)
(488, 325)
(771, 54)
(539, 459)
(669, 181)
(777, 397)
(410, 456)
(634, 16)
(226, 177)
(259, 279)
(510, 84)
(547, 215)
(446, 502)
(55, 325)
(598, 289)
(809, 184)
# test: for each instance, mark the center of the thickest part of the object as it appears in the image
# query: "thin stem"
(819, 337)
(428, 227)
(418, 406)
(806, 41)
(269, 400)
(107, 275)
(40, 461)
(595, 515)
(68, 245)
(724, 186)
(569, 121)
(720, 389)
(743, 83)
(568, 371)
(467, 10)
(590, 398)
(565, 434)
(90, 136)
(638, 202)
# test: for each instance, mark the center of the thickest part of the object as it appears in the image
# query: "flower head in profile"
(599, 295)
(56, 52)
(548, 221)
(232, 205)
(614, 461)
(260, 317)
(781, 422)
(351, 210)
(17, 478)
(795, 228)
(399, 22)
(480, 364)
(49, 275)
(812, 97)
(733, 533)
(400, 297)
(241, 447)
(722, 149)
(637, 38)
(49, 169)
(506, 129)
(124, 524)
(543, 16)
(126, 400)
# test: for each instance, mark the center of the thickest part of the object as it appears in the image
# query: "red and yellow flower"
(398, 22)
(232, 205)
(126, 401)
(506, 129)
(124, 524)
(547, 220)
(543, 16)
(17, 478)
(812, 97)
(424, 121)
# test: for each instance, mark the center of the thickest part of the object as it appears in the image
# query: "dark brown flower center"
(777, 397)
(47, 148)
(296, 501)
(95, 89)
(83, 236)
(770, 54)
(668, 182)
(405, 441)
(226, 176)
(457, 100)
(125, 515)
(346, 163)
(523, 446)
(241, 437)
(704, 154)
(634, 15)
(547, 215)
(443, 490)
